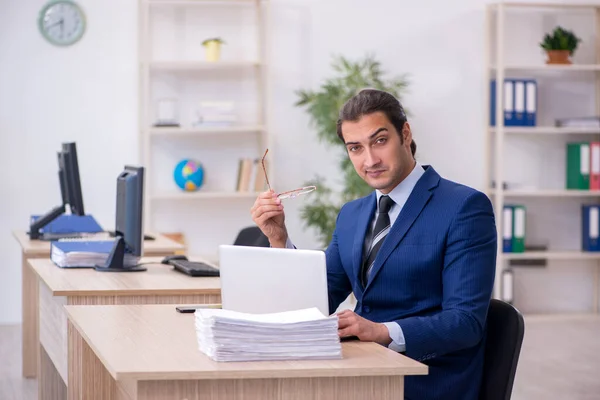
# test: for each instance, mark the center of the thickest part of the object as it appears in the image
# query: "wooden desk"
(152, 353)
(59, 287)
(161, 246)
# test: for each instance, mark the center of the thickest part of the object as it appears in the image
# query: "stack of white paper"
(306, 334)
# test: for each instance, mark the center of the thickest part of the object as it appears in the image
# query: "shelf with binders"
(529, 237)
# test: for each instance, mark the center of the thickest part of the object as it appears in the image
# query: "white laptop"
(266, 280)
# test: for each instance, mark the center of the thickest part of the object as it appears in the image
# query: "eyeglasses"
(291, 193)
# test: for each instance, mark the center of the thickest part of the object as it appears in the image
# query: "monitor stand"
(115, 260)
(34, 228)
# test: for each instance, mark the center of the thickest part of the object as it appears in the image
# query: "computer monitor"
(70, 190)
(75, 198)
(129, 230)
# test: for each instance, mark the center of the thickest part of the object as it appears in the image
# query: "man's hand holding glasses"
(267, 211)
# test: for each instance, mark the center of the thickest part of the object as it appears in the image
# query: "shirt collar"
(401, 192)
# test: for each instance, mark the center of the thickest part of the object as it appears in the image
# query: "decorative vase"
(213, 51)
(558, 57)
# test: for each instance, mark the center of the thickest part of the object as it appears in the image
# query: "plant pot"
(213, 51)
(558, 57)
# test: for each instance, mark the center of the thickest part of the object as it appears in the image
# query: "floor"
(560, 359)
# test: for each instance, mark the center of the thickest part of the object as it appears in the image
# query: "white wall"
(88, 93)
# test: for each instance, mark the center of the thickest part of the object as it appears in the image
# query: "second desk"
(160, 246)
(58, 287)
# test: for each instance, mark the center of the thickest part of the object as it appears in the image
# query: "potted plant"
(213, 48)
(560, 46)
(323, 106)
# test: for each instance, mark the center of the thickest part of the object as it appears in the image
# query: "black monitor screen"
(129, 212)
(62, 178)
(75, 198)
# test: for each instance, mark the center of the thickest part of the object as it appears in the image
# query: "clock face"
(62, 22)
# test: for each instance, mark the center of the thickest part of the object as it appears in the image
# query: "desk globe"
(189, 175)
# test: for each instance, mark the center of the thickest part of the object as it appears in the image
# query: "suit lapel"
(365, 216)
(415, 203)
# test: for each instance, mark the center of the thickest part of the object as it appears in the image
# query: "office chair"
(505, 332)
(251, 236)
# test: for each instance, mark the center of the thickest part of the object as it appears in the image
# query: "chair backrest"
(251, 236)
(505, 330)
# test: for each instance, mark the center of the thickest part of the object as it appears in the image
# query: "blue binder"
(508, 108)
(68, 223)
(590, 224)
(531, 103)
(507, 228)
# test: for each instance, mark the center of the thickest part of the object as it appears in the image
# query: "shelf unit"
(183, 68)
(499, 67)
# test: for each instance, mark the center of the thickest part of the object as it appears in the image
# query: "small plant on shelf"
(560, 45)
(213, 48)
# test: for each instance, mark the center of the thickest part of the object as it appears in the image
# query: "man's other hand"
(351, 324)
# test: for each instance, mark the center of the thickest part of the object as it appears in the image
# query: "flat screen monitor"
(74, 195)
(129, 236)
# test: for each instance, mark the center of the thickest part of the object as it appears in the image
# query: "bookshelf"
(512, 51)
(173, 65)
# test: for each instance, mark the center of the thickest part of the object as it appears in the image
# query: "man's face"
(378, 154)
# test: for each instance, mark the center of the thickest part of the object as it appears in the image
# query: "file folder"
(519, 103)
(531, 102)
(590, 227)
(595, 166)
(508, 110)
(519, 219)
(68, 223)
(578, 166)
(507, 229)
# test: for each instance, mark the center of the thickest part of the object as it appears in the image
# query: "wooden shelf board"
(200, 65)
(548, 193)
(546, 130)
(208, 130)
(202, 195)
(553, 255)
(551, 68)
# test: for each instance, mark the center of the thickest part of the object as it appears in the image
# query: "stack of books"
(225, 335)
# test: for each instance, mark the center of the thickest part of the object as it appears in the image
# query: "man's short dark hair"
(369, 101)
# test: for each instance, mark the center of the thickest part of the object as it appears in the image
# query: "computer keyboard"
(194, 268)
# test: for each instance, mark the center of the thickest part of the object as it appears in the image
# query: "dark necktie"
(381, 229)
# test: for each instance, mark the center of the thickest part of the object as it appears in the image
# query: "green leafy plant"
(216, 39)
(560, 39)
(323, 106)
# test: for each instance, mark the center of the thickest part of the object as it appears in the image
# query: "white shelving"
(546, 193)
(546, 130)
(502, 64)
(173, 65)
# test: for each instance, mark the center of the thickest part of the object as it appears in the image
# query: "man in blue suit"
(419, 253)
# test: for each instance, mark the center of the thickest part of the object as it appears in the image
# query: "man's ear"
(406, 133)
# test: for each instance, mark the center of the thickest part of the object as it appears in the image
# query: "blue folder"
(68, 223)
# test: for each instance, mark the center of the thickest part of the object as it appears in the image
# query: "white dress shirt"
(399, 194)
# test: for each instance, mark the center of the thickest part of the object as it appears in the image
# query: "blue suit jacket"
(433, 275)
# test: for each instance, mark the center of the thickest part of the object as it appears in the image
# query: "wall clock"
(62, 22)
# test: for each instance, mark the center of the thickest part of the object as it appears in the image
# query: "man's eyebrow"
(371, 136)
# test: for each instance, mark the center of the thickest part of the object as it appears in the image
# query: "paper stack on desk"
(306, 334)
(84, 253)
